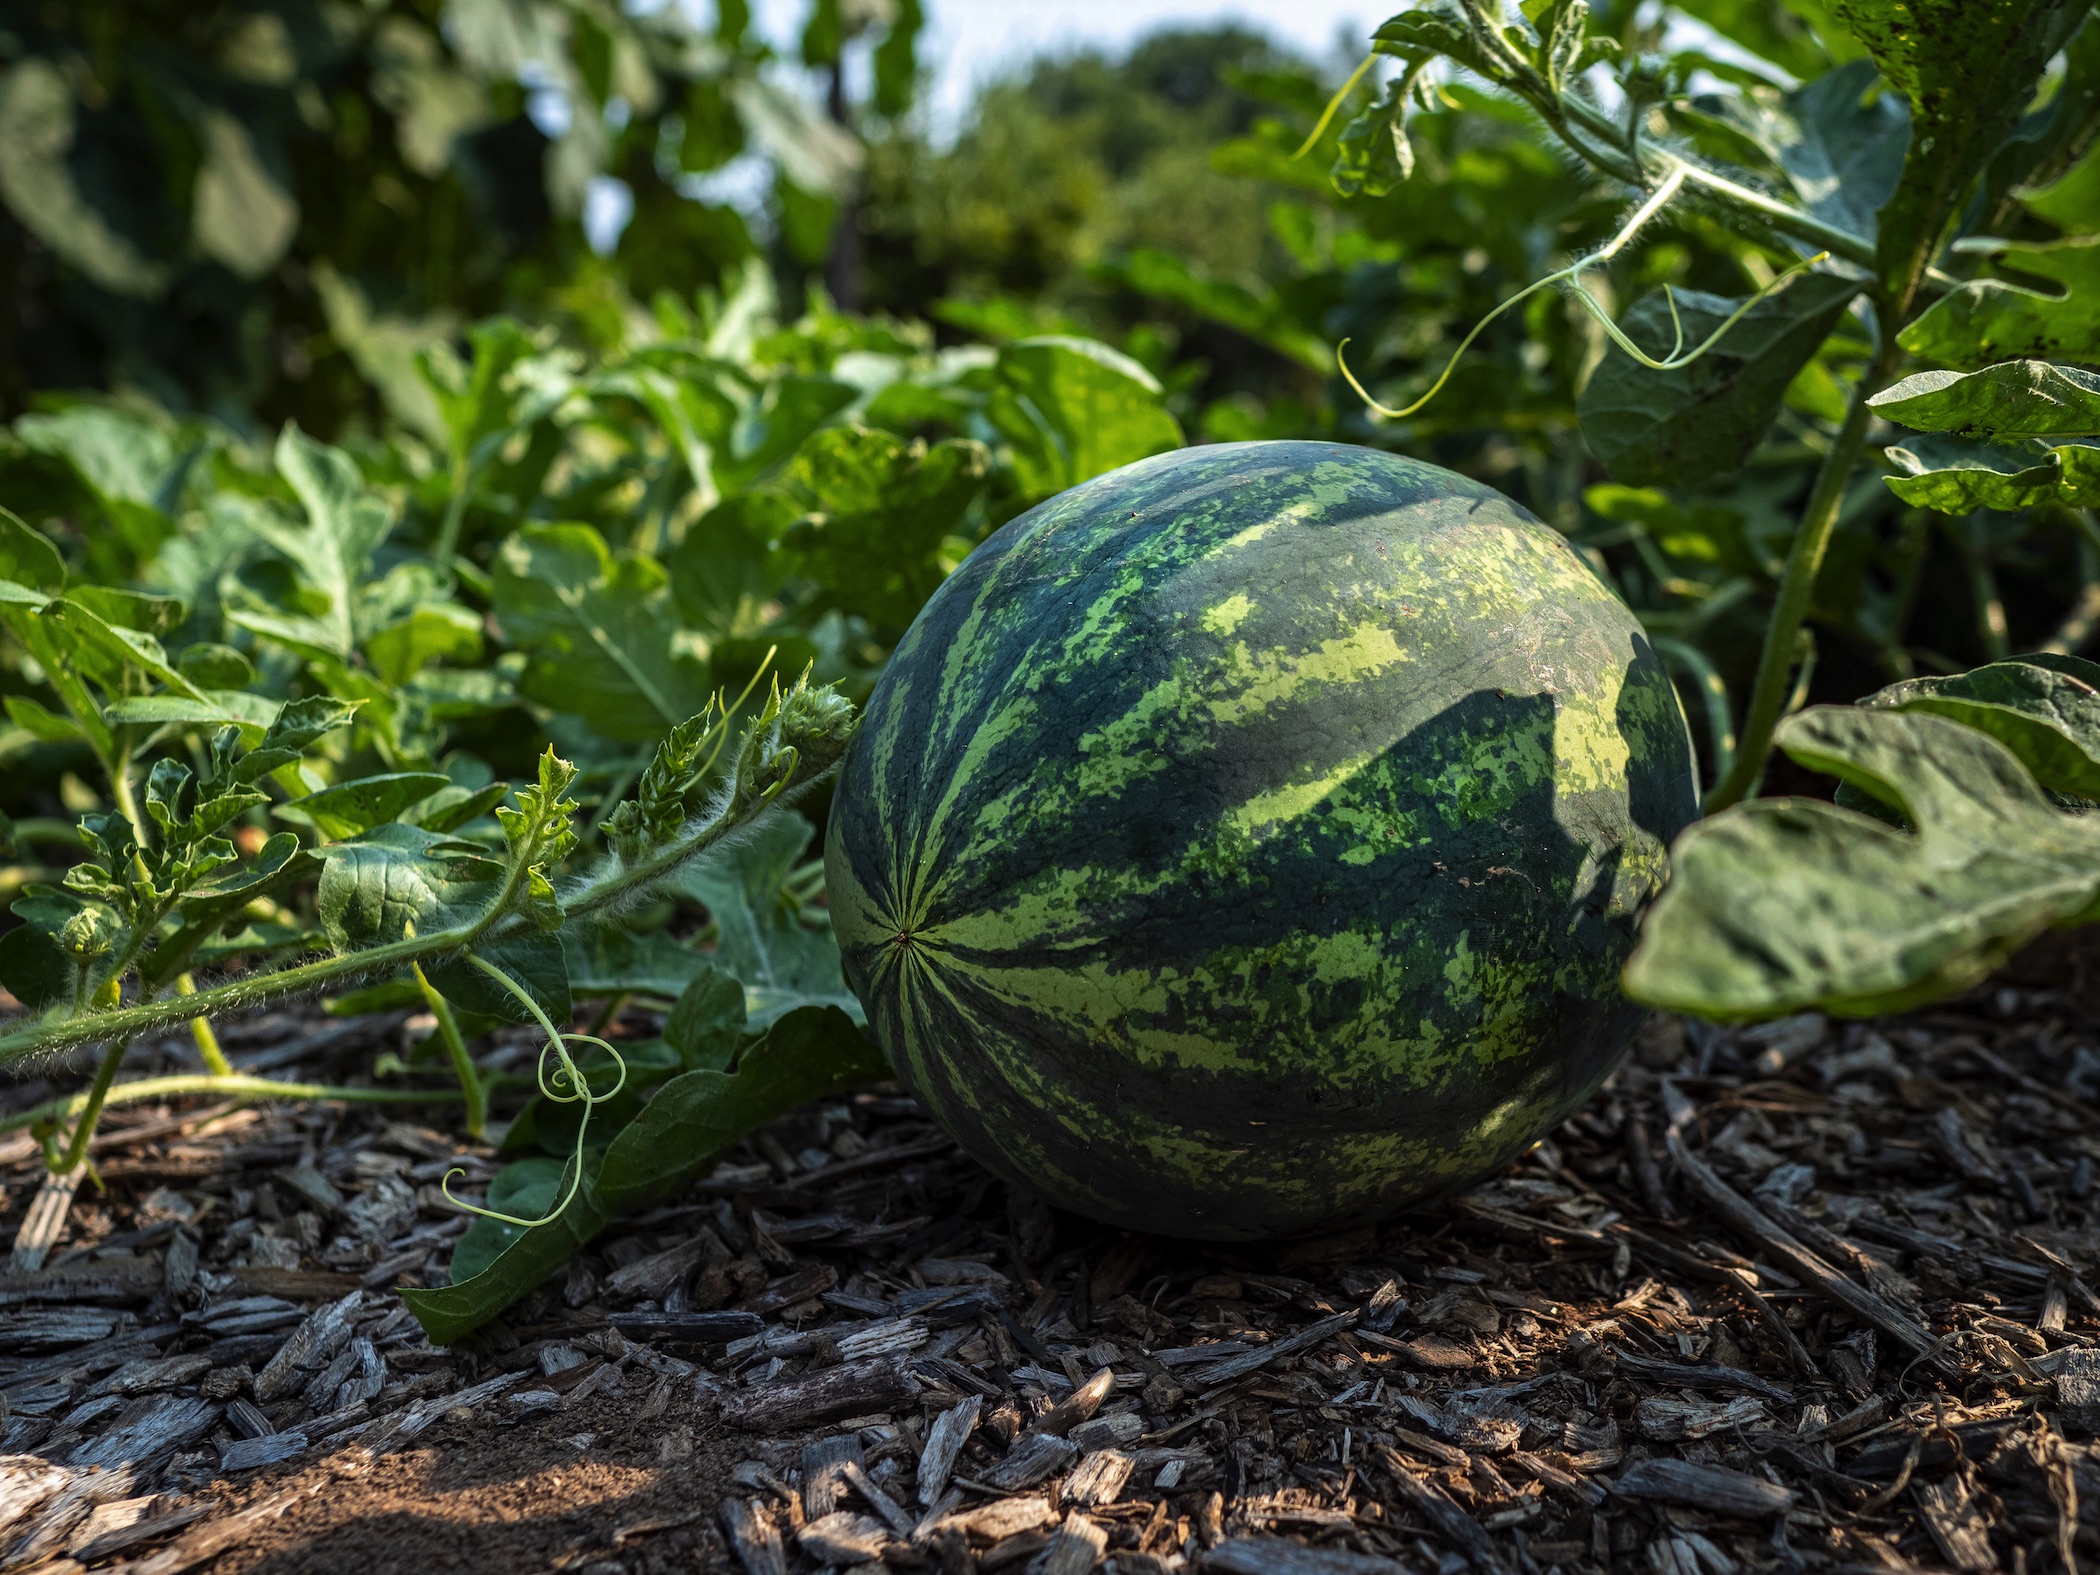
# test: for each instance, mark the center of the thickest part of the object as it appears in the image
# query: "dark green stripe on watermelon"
(1248, 841)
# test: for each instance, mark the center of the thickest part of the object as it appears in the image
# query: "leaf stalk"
(1771, 690)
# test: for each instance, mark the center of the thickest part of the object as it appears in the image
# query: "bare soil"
(1815, 1296)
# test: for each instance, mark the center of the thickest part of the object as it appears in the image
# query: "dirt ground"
(1814, 1295)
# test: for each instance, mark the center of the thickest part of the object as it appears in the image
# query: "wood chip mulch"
(1812, 1295)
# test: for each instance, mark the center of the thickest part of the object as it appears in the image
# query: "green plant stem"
(455, 513)
(1657, 165)
(1797, 584)
(238, 1086)
(208, 1049)
(607, 890)
(1990, 604)
(49, 831)
(91, 1104)
(1720, 720)
(88, 1027)
(470, 1085)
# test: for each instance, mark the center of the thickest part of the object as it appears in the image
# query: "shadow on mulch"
(1813, 1294)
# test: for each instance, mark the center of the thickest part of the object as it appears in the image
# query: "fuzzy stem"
(239, 995)
(1720, 723)
(91, 1105)
(470, 1085)
(238, 1086)
(208, 1047)
(1797, 584)
(609, 890)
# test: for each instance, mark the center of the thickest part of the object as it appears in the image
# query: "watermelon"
(1247, 842)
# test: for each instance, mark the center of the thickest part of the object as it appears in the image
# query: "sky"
(967, 42)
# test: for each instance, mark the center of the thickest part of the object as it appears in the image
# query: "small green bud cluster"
(797, 738)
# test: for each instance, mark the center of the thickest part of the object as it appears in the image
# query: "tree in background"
(264, 210)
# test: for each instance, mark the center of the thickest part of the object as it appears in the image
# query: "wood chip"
(1304, 1340)
(944, 1441)
(688, 1328)
(824, 1473)
(1076, 1548)
(98, 1545)
(148, 1430)
(1452, 1523)
(1080, 1404)
(893, 1514)
(851, 1389)
(215, 1536)
(843, 1537)
(1098, 1479)
(27, 1483)
(249, 1454)
(1274, 1556)
(1797, 1259)
(1034, 1457)
(1957, 1524)
(751, 1533)
(317, 1339)
(1002, 1518)
(1693, 1376)
(45, 1222)
(1697, 1486)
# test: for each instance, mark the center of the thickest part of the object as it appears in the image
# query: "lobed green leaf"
(1779, 905)
(2013, 399)
(1989, 320)
(1702, 421)
(806, 1055)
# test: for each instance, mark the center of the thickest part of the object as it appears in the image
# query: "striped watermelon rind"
(1247, 841)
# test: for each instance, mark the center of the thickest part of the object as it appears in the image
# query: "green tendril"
(721, 728)
(1571, 277)
(1334, 106)
(566, 1074)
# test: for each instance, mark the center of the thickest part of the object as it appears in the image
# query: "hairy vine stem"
(236, 1086)
(565, 1085)
(493, 922)
(1797, 583)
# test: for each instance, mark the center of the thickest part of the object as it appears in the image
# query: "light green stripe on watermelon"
(1248, 840)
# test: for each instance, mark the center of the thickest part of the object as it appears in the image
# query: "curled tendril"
(1571, 277)
(1334, 106)
(564, 1084)
(721, 728)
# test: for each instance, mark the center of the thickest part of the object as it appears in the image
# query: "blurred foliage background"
(736, 306)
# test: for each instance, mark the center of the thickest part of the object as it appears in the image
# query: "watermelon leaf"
(1779, 905)
(1071, 409)
(1703, 420)
(1959, 475)
(786, 956)
(2045, 709)
(599, 630)
(344, 809)
(1968, 71)
(880, 513)
(808, 1054)
(605, 959)
(2012, 399)
(1989, 320)
(1837, 141)
(707, 1021)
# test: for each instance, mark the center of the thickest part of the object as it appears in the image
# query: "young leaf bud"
(89, 934)
(817, 724)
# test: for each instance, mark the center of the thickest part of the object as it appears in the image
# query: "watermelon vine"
(286, 686)
(1781, 905)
